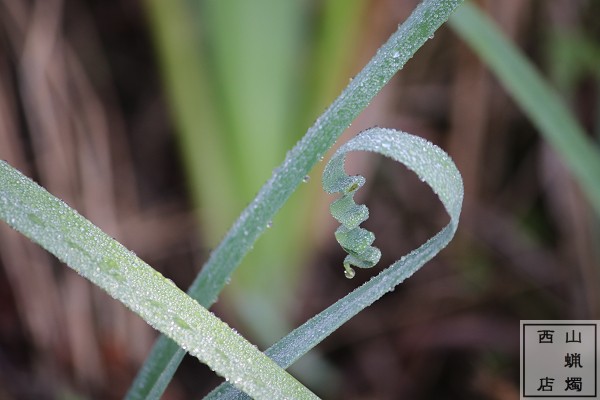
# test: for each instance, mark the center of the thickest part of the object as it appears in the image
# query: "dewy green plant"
(433, 167)
(28, 208)
(429, 162)
(59, 229)
(355, 240)
(402, 45)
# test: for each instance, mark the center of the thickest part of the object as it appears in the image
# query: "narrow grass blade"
(402, 45)
(435, 168)
(49, 222)
(538, 100)
(177, 43)
(335, 46)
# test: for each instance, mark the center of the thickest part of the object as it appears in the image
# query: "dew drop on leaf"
(171, 282)
(349, 272)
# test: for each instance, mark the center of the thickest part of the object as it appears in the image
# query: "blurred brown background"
(83, 111)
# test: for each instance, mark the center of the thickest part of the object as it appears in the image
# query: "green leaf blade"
(539, 101)
(435, 168)
(52, 224)
(391, 57)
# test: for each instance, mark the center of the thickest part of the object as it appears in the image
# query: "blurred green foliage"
(241, 96)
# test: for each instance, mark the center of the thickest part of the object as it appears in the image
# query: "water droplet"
(396, 54)
(269, 224)
(349, 272)
(171, 282)
(306, 178)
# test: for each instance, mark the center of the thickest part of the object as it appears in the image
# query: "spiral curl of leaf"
(356, 241)
(435, 168)
(399, 146)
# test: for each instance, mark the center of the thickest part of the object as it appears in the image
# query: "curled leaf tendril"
(355, 241)
(408, 149)
(435, 168)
